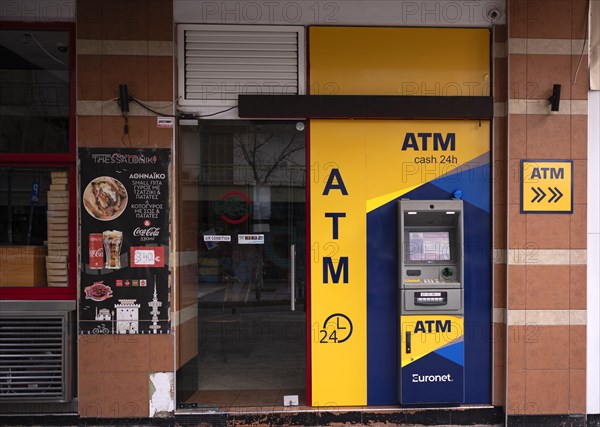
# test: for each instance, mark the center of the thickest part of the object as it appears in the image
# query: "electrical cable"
(43, 48)
(123, 140)
(125, 129)
(584, 42)
(125, 133)
(149, 109)
(108, 100)
(143, 105)
(126, 125)
(166, 105)
(218, 112)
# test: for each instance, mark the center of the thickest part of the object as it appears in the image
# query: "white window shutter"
(219, 62)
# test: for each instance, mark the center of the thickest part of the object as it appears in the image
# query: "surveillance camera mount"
(494, 14)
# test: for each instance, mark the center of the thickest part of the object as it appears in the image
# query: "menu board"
(124, 220)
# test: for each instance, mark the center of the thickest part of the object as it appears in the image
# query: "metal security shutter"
(34, 357)
(219, 62)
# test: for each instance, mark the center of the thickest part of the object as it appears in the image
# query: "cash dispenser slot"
(432, 301)
(431, 298)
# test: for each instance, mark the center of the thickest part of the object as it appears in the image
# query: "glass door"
(248, 180)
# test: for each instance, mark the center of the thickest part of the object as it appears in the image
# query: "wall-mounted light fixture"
(123, 98)
(555, 98)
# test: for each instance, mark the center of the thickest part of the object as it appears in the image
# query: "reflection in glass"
(34, 91)
(243, 189)
(34, 231)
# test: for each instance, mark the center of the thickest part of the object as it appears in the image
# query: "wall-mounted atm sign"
(547, 186)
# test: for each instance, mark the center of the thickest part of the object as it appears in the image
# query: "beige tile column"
(546, 252)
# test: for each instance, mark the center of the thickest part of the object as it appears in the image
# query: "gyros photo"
(105, 198)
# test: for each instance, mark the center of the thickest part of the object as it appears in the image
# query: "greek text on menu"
(147, 187)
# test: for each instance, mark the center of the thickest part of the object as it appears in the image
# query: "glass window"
(34, 227)
(34, 91)
(37, 161)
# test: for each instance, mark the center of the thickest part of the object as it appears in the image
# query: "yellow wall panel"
(399, 61)
(338, 368)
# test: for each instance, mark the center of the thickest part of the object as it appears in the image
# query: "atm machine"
(431, 302)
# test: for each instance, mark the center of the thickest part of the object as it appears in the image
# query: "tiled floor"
(243, 400)
(254, 360)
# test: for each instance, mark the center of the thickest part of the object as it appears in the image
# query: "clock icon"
(341, 327)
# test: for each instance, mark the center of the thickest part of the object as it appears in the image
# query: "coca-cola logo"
(146, 232)
(98, 252)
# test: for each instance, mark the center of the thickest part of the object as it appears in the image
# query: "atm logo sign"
(429, 326)
(547, 186)
(551, 173)
(423, 141)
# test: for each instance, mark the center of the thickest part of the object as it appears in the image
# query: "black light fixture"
(123, 98)
(555, 98)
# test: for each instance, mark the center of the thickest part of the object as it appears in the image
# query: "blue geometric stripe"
(454, 352)
(470, 182)
(382, 292)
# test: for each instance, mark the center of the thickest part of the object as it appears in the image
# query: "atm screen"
(429, 246)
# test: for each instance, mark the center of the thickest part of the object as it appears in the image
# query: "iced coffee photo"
(112, 240)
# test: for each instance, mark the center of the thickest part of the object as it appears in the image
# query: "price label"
(143, 257)
(147, 256)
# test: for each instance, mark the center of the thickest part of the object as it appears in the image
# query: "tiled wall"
(546, 295)
(118, 42)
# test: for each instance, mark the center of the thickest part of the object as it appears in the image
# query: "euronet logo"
(417, 378)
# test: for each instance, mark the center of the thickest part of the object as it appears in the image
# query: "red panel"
(308, 274)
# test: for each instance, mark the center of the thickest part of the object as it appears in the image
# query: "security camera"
(62, 47)
(493, 14)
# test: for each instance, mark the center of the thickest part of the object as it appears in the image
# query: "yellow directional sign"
(547, 186)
